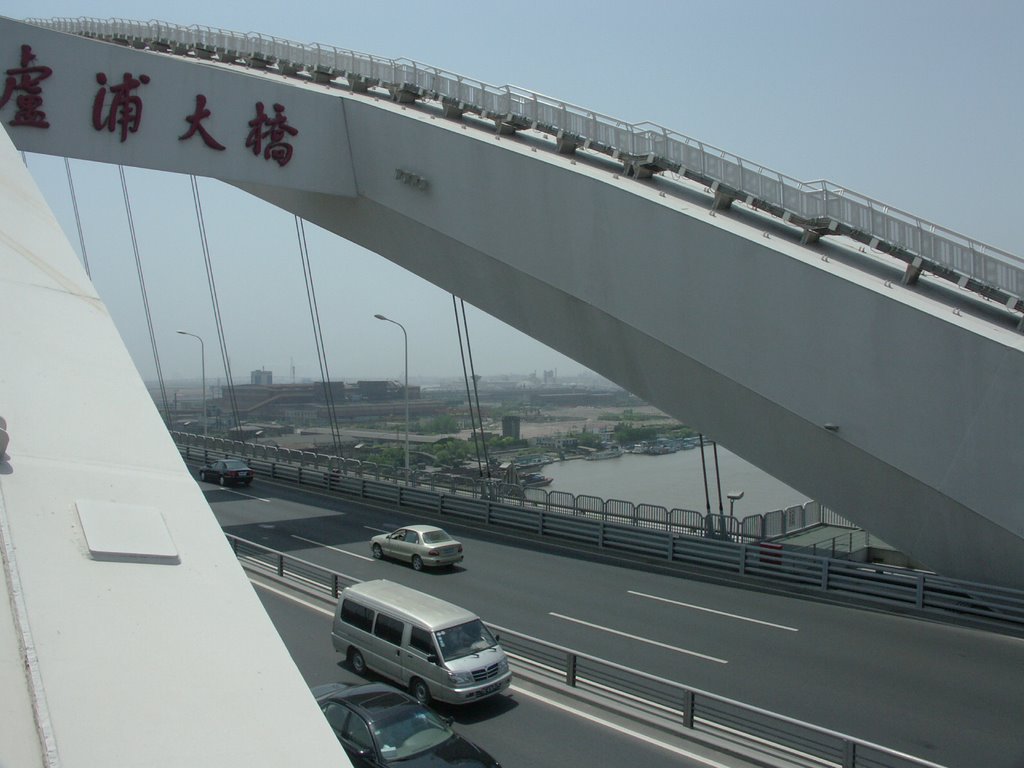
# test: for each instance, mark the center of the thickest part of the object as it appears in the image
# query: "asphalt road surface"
(947, 694)
(526, 728)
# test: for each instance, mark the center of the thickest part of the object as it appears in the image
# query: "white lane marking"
(712, 610)
(619, 728)
(675, 648)
(378, 530)
(239, 493)
(293, 598)
(328, 546)
(551, 702)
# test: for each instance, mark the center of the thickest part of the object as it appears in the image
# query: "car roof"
(372, 699)
(327, 690)
(398, 599)
(421, 528)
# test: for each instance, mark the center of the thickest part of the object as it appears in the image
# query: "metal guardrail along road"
(927, 593)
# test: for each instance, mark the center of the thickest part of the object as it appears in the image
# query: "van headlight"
(503, 666)
(460, 678)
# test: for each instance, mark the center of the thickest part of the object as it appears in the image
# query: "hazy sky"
(918, 104)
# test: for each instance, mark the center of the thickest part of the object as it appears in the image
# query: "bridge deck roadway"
(722, 319)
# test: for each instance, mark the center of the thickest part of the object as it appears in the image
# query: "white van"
(436, 649)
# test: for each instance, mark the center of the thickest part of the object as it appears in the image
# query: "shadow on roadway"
(464, 714)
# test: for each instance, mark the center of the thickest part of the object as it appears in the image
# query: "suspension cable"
(78, 218)
(145, 296)
(226, 360)
(476, 393)
(321, 353)
(469, 399)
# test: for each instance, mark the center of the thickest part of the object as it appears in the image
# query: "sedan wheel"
(202, 475)
(417, 563)
(222, 479)
(377, 551)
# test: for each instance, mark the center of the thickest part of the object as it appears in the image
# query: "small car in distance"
(382, 726)
(227, 472)
(421, 545)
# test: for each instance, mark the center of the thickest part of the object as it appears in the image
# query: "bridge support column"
(403, 94)
(722, 201)
(913, 272)
(358, 83)
(503, 127)
(323, 75)
(453, 110)
(809, 237)
(567, 143)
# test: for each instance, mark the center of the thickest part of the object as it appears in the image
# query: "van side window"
(389, 629)
(357, 615)
(422, 641)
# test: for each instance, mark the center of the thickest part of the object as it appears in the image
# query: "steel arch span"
(891, 399)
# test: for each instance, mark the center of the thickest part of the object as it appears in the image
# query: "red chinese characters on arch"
(125, 108)
(195, 121)
(25, 82)
(118, 107)
(267, 135)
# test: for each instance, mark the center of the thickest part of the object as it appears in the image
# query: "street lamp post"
(405, 337)
(202, 354)
(733, 497)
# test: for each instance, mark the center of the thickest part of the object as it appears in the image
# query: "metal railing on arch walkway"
(819, 208)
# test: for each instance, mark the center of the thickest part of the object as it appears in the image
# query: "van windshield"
(464, 640)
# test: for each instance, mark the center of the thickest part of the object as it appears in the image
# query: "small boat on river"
(535, 480)
(612, 452)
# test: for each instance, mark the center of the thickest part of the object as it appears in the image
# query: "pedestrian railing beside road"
(707, 548)
(753, 528)
(675, 705)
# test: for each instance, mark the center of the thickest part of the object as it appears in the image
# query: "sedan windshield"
(433, 537)
(464, 640)
(408, 732)
(232, 464)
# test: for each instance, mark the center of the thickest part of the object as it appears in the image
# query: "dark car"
(227, 472)
(382, 726)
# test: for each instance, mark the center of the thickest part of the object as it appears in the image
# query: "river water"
(675, 480)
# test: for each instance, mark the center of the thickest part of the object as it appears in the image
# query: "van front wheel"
(419, 691)
(355, 658)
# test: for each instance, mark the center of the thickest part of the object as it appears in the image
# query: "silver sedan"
(421, 545)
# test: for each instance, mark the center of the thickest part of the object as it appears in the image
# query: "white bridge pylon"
(817, 360)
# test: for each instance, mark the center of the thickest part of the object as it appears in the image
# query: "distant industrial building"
(510, 426)
(309, 403)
